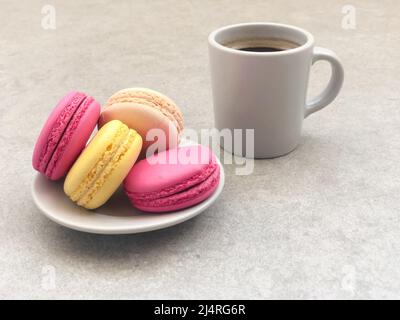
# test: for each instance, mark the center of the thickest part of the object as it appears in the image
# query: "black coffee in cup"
(262, 45)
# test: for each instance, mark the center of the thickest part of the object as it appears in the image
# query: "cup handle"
(334, 85)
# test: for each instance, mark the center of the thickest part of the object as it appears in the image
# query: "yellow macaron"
(103, 165)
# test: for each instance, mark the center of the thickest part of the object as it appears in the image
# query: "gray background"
(322, 222)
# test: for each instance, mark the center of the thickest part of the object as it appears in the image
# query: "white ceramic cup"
(266, 91)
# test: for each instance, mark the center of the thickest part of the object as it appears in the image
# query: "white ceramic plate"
(117, 216)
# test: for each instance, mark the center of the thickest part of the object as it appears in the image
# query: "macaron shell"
(184, 199)
(65, 134)
(173, 179)
(173, 170)
(58, 131)
(42, 141)
(86, 120)
(142, 118)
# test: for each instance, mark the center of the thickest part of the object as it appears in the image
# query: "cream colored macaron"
(145, 109)
(103, 165)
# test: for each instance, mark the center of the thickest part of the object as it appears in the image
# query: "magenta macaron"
(174, 179)
(65, 134)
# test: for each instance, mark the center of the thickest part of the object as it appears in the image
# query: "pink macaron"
(174, 179)
(65, 134)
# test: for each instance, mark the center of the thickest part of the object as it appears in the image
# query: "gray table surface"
(322, 222)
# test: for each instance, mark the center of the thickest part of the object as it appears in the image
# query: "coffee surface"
(262, 45)
(261, 49)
